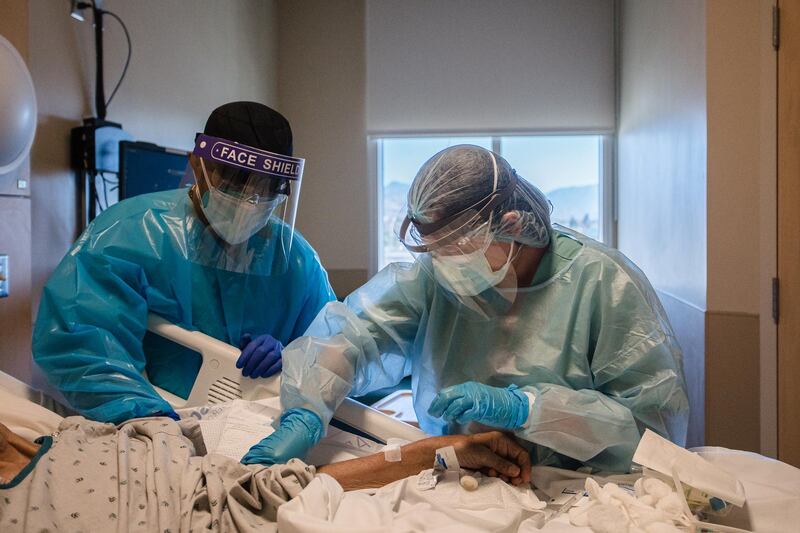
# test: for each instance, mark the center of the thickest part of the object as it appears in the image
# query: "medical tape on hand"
(427, 480)
(391, 452)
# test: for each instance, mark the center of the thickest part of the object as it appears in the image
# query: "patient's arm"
(493, 453)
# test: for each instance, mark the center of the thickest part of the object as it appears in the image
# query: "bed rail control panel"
(219, 381)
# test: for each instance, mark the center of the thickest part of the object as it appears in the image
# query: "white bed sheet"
(400, 506)
(772, 489)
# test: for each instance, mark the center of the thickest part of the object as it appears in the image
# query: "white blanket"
(772, 489)
(401, 506)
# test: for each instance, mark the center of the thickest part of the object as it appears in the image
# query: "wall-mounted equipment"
(76, 12)
(95, 144)
(146, 167)
(17, 109)
(95, 158)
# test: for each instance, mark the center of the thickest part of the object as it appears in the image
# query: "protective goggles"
(467, 230)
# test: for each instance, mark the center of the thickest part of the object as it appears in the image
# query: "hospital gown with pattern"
(91, 338)
(148, 475)
(588, 340)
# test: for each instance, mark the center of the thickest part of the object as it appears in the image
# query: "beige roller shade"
(507, 65)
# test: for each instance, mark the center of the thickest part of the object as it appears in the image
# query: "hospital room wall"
(741, 234)
(690, 173)
(661, 163)
(321, 90)
(15, 230)
(188, 57)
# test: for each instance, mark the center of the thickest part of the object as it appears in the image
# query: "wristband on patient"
(446, 460)
(445, 465)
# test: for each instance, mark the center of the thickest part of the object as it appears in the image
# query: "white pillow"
(24, 417)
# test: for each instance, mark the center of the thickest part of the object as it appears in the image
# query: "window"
(569, 169)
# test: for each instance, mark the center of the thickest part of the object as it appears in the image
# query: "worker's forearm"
(375, 471)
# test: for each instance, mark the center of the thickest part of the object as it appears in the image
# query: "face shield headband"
(248, 158)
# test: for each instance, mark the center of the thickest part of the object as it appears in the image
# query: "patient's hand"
(493, 453)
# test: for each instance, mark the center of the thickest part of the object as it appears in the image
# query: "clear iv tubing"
(698, 525)
(566, 506)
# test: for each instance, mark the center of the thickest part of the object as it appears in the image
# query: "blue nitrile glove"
(299, 431)
(261, 357)
(501, 408)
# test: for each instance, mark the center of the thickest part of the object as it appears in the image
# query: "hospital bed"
(772, 488)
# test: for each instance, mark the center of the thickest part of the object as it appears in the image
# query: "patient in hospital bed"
(154, 474)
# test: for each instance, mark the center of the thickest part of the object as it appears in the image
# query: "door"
(789, 232)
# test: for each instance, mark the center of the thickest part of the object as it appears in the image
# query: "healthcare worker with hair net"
(502, 321)
(222, 258)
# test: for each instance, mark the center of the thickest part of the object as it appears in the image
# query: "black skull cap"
(252, 124)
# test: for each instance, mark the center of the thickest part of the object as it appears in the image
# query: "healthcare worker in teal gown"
(222, 258)
(503, 321)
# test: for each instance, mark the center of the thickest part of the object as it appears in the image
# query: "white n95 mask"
(469, 274)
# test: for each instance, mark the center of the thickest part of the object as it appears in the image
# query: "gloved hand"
(261, 357)
(501, 408)
(299, 431)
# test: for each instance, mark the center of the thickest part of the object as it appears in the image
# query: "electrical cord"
(97, 199)
(109, 180)
(127, 60)
(106, 183)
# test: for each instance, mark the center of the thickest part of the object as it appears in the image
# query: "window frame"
(606, 166)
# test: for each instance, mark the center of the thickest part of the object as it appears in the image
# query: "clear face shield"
(249, 197)
(463, 253)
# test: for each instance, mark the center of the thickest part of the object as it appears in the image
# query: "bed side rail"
(219, 381)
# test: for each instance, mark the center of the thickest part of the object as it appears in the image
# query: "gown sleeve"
(358, 346)
(88, 334)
